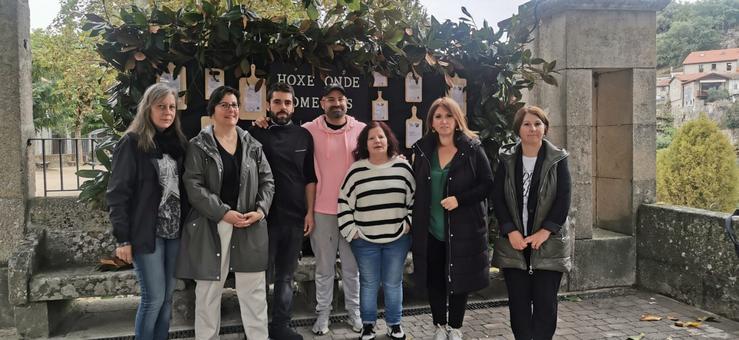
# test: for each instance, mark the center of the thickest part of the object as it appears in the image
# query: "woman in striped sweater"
(375, 202)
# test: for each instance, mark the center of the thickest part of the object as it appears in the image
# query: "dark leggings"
(538, 289)
(437, 288)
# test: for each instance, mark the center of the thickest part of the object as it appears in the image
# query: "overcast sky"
(44, 11)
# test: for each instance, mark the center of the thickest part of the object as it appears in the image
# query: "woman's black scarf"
(167, 142)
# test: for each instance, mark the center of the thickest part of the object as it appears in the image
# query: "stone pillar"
(603, 113)
(15, 129)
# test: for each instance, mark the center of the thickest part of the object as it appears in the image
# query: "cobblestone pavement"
(596, 316)
(593, 318)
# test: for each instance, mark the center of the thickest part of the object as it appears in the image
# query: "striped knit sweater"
(375, 200)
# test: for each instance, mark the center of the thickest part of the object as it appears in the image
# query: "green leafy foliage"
(717, 94)
(389, 36)
(731, 118)
(699, 168)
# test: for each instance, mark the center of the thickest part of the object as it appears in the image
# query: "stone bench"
(51, 268)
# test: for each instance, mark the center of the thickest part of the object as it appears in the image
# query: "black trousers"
(285, 243)
(538, 289)
(439, 299)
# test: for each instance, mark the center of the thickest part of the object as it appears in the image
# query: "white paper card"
(380, 79)
(252, 99)
(413, 88)
(214, 78)
(379, 110)
(413, 131)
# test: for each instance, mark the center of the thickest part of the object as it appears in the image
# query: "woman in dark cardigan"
(147, 204)
(531, 197)
(450, 249)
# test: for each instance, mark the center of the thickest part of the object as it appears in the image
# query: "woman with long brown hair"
(450, 249)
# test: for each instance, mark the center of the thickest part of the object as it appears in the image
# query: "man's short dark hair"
(280, 87)
(217, 95)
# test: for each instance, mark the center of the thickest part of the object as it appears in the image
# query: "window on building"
(700, 68)
(713, 67)
(728, 66)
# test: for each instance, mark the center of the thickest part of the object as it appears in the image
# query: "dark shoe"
(395, 332)
(283, 333)
(368, 332)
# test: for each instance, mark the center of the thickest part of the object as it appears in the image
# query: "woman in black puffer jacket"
(450, 250)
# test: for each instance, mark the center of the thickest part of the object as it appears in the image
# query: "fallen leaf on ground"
(673, 318)
(707, 318)
(691, 324)
(572, 298)
(650, 317)
(636, 337)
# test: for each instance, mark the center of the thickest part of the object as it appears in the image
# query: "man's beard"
(282, 119)
(335, 113)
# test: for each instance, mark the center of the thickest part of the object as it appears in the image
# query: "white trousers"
(325, 240)
(250, 289)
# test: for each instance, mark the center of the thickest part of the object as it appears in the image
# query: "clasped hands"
(240, 220)
(518, 242)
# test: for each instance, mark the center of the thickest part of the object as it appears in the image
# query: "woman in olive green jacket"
(230, 187)
(531, 197)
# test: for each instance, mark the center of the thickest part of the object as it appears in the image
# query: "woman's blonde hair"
(142, 125)
(450, 105)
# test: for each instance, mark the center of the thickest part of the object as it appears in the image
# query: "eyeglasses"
(227, 106)
(332, 100)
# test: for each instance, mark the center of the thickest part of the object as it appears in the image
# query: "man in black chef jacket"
(289, 150)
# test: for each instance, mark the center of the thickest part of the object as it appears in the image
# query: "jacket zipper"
(531, 262)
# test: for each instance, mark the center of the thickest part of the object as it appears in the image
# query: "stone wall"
(684, 253)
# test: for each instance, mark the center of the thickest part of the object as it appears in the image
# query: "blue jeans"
(381, 263)
(155, 272)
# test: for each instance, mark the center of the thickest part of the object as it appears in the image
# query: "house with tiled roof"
(724, 61)
(702, 71)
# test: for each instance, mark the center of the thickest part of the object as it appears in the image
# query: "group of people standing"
(241, 201)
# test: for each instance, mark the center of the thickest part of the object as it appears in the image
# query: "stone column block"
(614, 151)
(579, 97)
(614, 205)
(644, 152)
(645, 94)
(610, 38)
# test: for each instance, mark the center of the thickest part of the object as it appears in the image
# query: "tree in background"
(665, 126)
(716, 94)
(699, 168)
(686, 27)
(731, 118)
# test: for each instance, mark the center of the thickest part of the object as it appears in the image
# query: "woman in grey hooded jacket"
(230, 186)
(531, 197)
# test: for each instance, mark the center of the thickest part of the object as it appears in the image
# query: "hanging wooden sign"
(413, 128)
(204, 121)
(179, 83)
(380, 108)
(413, 88)
(253, 96)
(214, 78)
(458, 92)
(380, 80)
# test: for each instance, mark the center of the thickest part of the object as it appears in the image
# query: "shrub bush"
(699, 168)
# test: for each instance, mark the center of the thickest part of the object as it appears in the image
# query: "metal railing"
(54, 152)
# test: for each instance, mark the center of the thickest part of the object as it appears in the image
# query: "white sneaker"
(454, 334)
(320, 327)
(441, 332)
(355, 322)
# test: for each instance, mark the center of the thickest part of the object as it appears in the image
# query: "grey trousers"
(250, 288)
(325, 240)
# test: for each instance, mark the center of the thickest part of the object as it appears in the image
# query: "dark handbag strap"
(730, 231)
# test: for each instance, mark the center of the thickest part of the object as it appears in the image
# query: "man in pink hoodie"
(334, 137)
